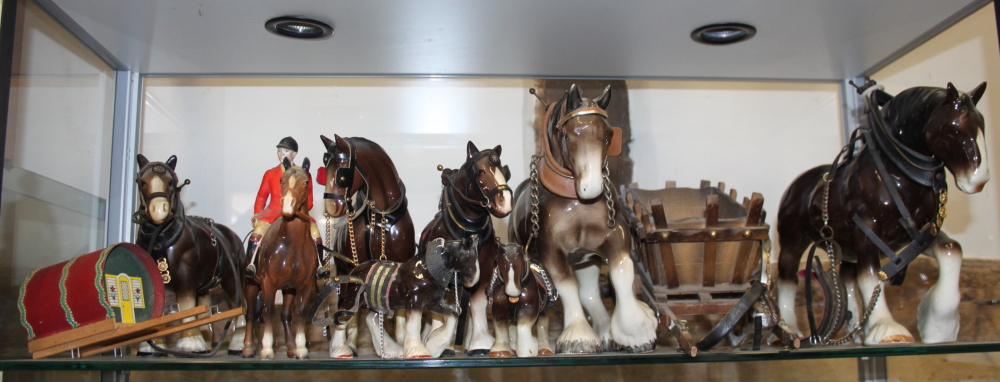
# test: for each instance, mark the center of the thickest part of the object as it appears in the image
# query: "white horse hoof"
(192, 344)
(267, 354)
(416, 349)
(301, 353)
(579, 338)
(888, 332)
(634, 332)
(342, 351)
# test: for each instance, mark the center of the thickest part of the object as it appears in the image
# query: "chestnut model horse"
(888, 200)
(470, 196)
(288, 263)
(193, 253)
(520, 293)
(577, 223)
(362, 183)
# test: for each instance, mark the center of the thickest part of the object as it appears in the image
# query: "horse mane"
(364, 145)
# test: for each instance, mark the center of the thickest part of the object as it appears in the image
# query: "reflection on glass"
(56, 161)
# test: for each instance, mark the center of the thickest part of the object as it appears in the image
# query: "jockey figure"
(266, 212)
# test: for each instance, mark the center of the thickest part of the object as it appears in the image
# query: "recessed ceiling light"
(299, 27)
(722, 34)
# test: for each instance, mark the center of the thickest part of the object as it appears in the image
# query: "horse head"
(955, 133)
(512, 271)
(158, 188)
(295, 190)
(580, 137)
(342, 177)
(461, 256)
(490, 177)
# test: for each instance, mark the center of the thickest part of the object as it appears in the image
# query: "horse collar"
(460, 225)
(439, 271)
(554, 177)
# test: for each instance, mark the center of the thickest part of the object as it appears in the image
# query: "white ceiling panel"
(796, 40)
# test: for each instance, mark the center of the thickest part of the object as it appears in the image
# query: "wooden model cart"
(704, 254)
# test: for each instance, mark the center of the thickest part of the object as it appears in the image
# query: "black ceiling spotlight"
(722, 34)
(299, 27)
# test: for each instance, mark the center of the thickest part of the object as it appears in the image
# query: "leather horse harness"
(160, 237)
(459, 224)
(344, 178)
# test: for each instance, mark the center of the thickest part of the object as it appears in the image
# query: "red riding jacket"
(270, 187)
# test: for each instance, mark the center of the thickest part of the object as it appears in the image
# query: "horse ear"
(977, 93)
(604, 99)
(285, 163)
(305, 164)
(172, 162)
(340, 141)
(497, 150)
(327, 142)
(574, 100)
(471, 150)
(951, 94)
(141, 160)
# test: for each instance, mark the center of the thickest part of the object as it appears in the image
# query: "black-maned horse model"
(890, 197)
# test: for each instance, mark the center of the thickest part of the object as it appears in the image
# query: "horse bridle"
(172, 188)
(493, 159)
(344, 176)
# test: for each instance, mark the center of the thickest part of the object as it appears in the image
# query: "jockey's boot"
(251, 269)
(321, 272)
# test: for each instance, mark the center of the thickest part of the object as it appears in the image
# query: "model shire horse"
(194, 253)
(888, 199)
(470, 195)
(579, 227)
(361, 182)
(520, 293)
(418, 285)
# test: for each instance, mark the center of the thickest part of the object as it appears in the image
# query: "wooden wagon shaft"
(118, 331)
(164, 331)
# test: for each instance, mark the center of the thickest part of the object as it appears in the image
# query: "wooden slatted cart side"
(701, 246)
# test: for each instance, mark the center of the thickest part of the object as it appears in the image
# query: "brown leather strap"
(615, 148)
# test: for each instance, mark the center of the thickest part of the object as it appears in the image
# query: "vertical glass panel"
(56, 160)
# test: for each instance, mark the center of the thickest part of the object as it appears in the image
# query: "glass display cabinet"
(87, 85)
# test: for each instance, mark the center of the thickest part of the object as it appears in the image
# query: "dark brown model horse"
(194, 253)
(470, 196)
(362, 183)
(288, 262)
(578, 223)
(520, 292)
(418, 285)
(890, 197)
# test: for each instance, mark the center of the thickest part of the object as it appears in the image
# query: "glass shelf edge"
(659, 357)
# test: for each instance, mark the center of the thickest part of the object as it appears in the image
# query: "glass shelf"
(319, 360)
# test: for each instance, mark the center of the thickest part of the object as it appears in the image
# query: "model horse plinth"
(887, 199)
(579, 225)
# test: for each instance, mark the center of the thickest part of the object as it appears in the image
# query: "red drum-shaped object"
(120, 281)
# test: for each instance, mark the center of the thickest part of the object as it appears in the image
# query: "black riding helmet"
(288, 143)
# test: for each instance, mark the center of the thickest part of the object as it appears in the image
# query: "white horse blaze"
(158, 207)
(511, 287)
(504, 207)
(588, 174)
